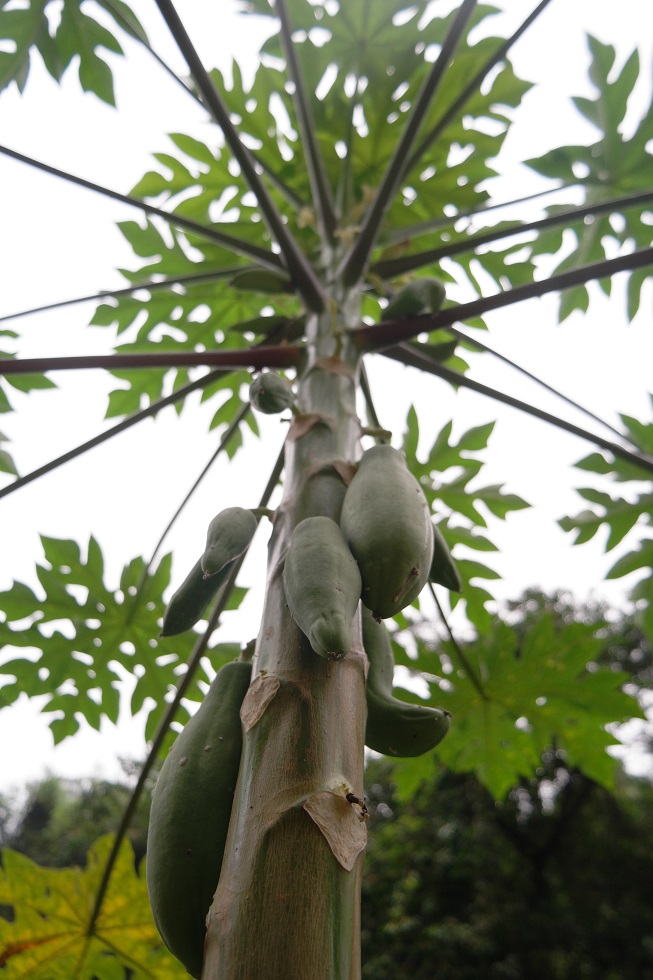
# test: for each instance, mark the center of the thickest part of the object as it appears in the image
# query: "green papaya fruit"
(191, 599)
(322, 585)
(386, 522)
(395, 727)
(443, 568)
(189, 819)
(270, 393)
(415, 299)
(228, 537)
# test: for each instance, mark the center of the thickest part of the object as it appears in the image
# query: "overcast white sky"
(60, 241)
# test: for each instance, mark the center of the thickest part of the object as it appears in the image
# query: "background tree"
(294, 229)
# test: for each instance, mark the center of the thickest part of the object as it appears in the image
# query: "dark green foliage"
(554, 883)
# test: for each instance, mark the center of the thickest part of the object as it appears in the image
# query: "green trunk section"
(288, 901)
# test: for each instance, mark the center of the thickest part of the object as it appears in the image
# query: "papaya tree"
(328, 220)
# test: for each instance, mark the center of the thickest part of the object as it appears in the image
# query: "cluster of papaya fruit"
(382, 553)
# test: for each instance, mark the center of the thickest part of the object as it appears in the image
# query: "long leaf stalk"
(358, 256)
(263, 256)
(300, 269)
(463, 660)
(456, 107)
(282, 356)
(372, 417)
(345, 180)
(320, 188)
(406, 263)
(140, 36)
(144, 413)
(195, 658)
(411, 357)
(406, 232)
(283, 188)
(151, 285)
(473, 342)
(390, 332)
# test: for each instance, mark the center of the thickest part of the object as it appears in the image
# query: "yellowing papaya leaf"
(49, 937)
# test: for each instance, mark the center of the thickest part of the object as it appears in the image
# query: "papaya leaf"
(19, 29)
(614, 166)
(619, 515)
(81, 636)
(545, 689)
(184, 318)
(21, 382)
(74, 36)
(48, 937)
(457, 461)
(7, 464)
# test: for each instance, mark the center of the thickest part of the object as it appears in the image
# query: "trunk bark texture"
(287, 906)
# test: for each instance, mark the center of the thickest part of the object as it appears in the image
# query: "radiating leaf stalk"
(411, 357)
(473, 342)
(290, 195)
(320, 188)
(301, 272)
(345, 182)
(372, 417)
(152, 285)
(227, 436)
(389, 332)
(138, 36)
(454, 110)
(284, 355)
(406, 263)
(464, 662)
(239, 246)
(424, 227)
(115, 430)
(198, 652)
(357, 258)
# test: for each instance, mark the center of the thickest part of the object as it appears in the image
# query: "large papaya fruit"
(443, 569)
(191, 599)
(189, 819)
(228, 536)
(415, 299)
(322, 585)
(270, 393)
(395, 727)
(386, 523)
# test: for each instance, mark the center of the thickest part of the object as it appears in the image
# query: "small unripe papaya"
(396, 728)
(228, 537)
(322, 585)
(386, 522)
(443, 568)
(270, 393)
(191, 599)
(189, 819)
(415, 299)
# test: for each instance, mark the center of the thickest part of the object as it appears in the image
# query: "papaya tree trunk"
(288, 900)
